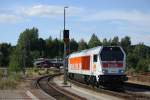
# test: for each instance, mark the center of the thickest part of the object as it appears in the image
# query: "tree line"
(30, 46)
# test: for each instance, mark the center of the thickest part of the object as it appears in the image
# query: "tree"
(82, 45)
(49, 47)
(141, 51)
(73, 46)
(56, 48)
(115, 41)
(109, 42)
(42, 47)
(138, 58)
(143, 65)
(105, 42)
(132, 60)
(94, 41)
(15, 61)
(5, 51)
(126, 43)
(22, 54)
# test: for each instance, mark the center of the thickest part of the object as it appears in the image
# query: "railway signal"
(66, 41)
(66, 47)
(66, 52)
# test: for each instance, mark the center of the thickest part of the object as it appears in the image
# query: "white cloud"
(9, 18)
(133, 23)
(25, 13)
(138, 38)
(131, 16)
(49, 10)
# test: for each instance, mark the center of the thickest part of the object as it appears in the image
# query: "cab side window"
(95, 58)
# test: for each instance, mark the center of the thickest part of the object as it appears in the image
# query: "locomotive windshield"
(111, 54)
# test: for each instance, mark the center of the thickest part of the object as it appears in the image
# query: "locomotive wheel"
(86, 80)
(71, 75)
(93, 81)
(97, 84)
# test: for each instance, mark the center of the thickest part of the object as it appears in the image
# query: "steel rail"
(45, 83)
(122, 94)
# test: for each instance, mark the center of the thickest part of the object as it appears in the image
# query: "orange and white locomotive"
(102, 64)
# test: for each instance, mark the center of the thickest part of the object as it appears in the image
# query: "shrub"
(1, 74)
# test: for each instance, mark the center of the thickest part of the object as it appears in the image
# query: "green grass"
(1, 74)
(33, 72)
(14, 78)
(10, 82)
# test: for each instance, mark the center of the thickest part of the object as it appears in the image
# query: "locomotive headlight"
(121, 71)
(105, 71)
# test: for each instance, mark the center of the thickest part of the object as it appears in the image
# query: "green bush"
(35, 69)
(8, 84)
(30, 72)
(1, 74)
(11, 81)
(143, 65)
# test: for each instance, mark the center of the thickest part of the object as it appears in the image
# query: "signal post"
(66, 47)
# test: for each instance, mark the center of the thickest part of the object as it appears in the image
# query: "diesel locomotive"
(98, 65)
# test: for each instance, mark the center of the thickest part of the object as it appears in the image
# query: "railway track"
(45, 84)
(137, 90)
(126, 94)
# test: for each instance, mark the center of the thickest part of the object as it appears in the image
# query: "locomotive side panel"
(79, 64)
(85, 64)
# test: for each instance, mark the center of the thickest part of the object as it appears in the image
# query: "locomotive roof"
(94, 50)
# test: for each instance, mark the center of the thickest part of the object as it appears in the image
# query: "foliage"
(139, 58)
(30, 47)
(15, 61)
(7, 84)
(94, 41)
(1, 74)
(126, 43)
(115, 41)
(143, 65)
(5, 51)
(73, 45)
(82, 45)
(54, 48)
(41, 46)
(10, 82)
(21, 57)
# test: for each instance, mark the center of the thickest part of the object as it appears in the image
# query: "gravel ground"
(13, 95)
(24, 92)
(88, 94)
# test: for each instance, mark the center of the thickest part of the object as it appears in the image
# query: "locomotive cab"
(112, 61)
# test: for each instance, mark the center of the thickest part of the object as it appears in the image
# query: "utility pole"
(66, 45)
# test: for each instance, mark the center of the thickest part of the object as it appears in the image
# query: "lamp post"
(65, 47)
(65, 16)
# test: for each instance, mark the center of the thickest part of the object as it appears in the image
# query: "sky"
(105, 18)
